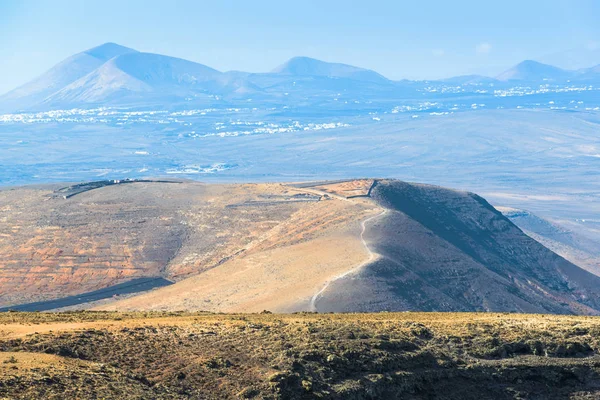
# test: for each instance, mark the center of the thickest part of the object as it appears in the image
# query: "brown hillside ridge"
(351, 245)
(151, 355)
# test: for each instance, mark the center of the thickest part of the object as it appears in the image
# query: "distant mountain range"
(111, 74)
(533, 71)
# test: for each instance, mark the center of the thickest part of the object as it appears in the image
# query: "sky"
(400, 39)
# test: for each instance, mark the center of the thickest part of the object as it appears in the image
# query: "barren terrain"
(348, 245)
(54, 247)
(298, 356)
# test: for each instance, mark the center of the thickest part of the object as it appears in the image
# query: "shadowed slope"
(447, 250)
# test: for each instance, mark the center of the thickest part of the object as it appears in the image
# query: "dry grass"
(288, 356)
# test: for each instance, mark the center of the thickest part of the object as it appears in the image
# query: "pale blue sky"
(416, 39)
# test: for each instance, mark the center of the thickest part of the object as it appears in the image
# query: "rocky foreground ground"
(99, 355)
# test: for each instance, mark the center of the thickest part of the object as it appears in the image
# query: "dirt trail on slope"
(279, 271)
(372, 257)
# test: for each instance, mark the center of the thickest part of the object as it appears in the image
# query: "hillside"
(470, 80)
(533, 71)
(575, 243)
(442, 250)
(589, 74)
(110, 235)
(133, 76)
(306, 66)
(355, 245)
(302, 356)
(63, 74)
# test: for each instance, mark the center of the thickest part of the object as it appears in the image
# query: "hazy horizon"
(398, 41)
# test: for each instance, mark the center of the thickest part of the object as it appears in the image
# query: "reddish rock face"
(53, 247)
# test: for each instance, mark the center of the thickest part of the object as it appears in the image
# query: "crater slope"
(447, 250)
(352, 245)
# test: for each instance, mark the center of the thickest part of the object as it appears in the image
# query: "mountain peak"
(303, 61)
(302, 65)
(63, 74)
(108, 50)
(530, 70)
(531, 63)
(536, 66)
(307, 66)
